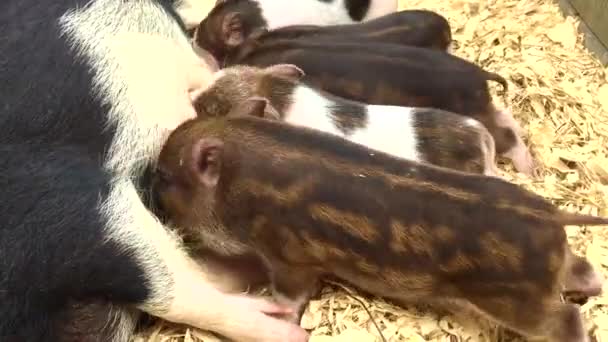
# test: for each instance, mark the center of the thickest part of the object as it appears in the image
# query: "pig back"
(411, 28)
(365, 211)
(413, 79)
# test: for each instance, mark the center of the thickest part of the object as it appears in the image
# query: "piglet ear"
(206, 161)
(233, 33)
(253, 106)
(287, 71)
(268, 110)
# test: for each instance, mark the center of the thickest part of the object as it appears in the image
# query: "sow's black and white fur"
(79, 127)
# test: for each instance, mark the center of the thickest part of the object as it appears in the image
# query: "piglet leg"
(491, 170)
(519, 154)
(293, 287)
(178, 289)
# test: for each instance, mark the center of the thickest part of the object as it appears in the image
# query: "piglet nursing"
(420, 134)
(226, 28)
(279, 13)
(312, 204)
(390, 74)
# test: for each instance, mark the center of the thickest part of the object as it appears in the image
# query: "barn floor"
(559, 93)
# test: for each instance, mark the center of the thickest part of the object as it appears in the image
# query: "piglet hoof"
(491, 170)
(528, 167)
(523, 161)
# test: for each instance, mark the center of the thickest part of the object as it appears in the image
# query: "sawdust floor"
(559, 93)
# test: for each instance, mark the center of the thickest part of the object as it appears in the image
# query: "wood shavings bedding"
(559, 94)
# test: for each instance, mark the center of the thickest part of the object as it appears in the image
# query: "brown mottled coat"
(312, 204)
(421, 28)
(386, 74)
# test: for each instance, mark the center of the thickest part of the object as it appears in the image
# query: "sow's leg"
(70, 232)
(177, 288)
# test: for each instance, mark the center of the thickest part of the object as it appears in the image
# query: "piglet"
(421, 134)
(390, 74)
(279, 13)
(312, 204)
(226, 28)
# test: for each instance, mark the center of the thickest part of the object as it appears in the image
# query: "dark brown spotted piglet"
(312, 204)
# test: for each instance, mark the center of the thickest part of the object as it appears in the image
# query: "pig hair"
(91, 32)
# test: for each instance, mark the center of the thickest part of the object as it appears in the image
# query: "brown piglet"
(226, 27)
(311, 205)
